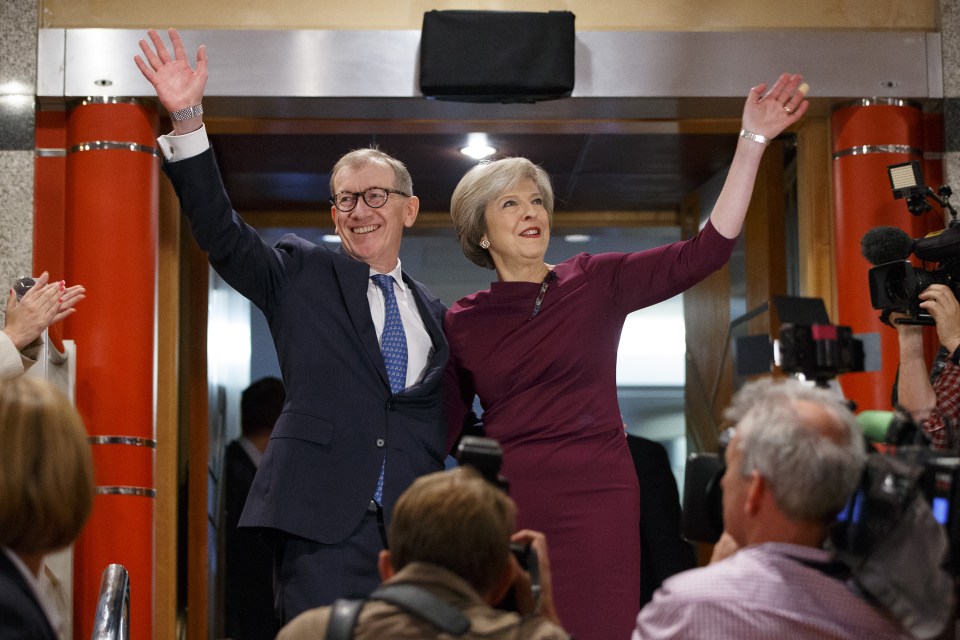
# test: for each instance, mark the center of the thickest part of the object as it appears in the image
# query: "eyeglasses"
(375, 197)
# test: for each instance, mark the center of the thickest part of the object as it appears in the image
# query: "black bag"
(497, 56)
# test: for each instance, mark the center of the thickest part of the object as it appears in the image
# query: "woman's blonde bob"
(46, 468)
(480, 186)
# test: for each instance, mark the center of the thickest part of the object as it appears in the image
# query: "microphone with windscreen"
(881, 245)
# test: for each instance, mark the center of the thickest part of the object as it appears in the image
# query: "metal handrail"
(112, 621)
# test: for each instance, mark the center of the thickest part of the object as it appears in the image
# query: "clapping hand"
(46, 303)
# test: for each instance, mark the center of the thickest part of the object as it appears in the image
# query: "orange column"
(111, 230)
(49, 203)
(868, 136)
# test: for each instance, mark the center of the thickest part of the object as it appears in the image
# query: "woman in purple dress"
(539, 348)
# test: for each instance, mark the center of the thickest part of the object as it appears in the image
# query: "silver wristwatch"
(185, 114)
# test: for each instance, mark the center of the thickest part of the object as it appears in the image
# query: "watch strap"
(187, 113)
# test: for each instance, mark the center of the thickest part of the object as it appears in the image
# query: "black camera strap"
(410, 598)
(343, 618)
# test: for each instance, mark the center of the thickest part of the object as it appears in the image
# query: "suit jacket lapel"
(352, 275)
(431, 314)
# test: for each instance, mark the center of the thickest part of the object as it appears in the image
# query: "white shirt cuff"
(186, 146)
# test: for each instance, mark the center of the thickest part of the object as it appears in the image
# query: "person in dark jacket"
(248, 571)
(46, 495)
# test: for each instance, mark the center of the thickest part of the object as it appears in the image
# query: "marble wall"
(950, 52)
(18, 67)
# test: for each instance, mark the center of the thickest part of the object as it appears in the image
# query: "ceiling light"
(477, 146)
(577, 237)
(331, 238)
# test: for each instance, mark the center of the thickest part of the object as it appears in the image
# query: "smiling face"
(368, 234)
(518, 226)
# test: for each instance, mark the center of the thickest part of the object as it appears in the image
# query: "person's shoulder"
(309, 625)
(423, 290)
(468, 302)
(539, 628)
(236, 454)
(293, 242)
(733, 578)
(487, 622)
(11, 360)
(578, 263)
(303, 252)
(589, 264)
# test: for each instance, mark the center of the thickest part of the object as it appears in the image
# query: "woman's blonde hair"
(46, 468)
(481, 185)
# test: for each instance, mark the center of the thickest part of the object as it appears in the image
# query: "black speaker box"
(497, 56)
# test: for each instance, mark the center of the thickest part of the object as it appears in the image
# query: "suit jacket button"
(380, 442)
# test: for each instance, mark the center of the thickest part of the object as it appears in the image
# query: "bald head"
(827, 424)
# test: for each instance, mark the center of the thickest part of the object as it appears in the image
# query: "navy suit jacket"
(21, 614)
(340, 418)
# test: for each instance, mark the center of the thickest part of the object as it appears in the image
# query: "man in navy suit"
(343, 433)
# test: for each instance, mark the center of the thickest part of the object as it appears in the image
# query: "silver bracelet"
(756, 137)
(189, 112)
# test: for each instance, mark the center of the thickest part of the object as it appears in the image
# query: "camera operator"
(933, 400)
(794, 458)
(450, 541)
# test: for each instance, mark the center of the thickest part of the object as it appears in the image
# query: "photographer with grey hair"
(793, 459)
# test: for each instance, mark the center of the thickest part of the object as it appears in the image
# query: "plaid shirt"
(941, 424)
(761, 592)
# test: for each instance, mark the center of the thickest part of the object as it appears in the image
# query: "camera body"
(896, 286)
(702, 519)
(818, 351)
(486, 456)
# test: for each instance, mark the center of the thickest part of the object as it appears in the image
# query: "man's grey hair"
(370, 155)
(811, 474)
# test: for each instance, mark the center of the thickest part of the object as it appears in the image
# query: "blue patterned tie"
(393, 346)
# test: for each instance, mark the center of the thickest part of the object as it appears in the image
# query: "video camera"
(895, 284)
(486, 456)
